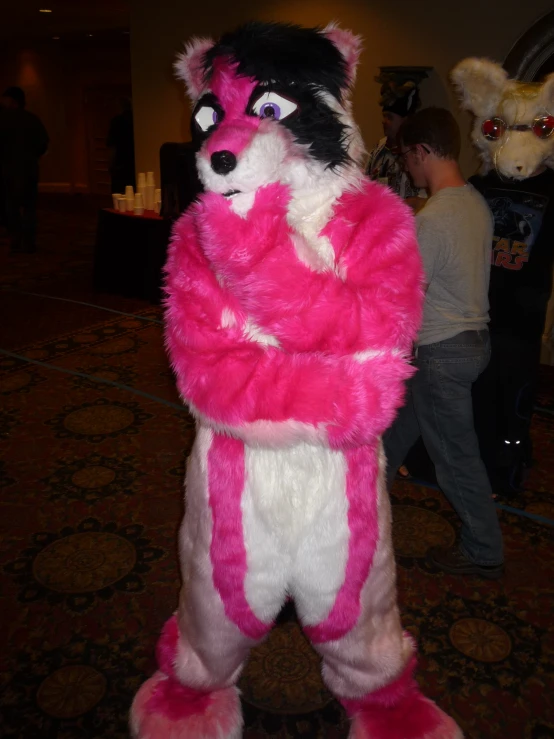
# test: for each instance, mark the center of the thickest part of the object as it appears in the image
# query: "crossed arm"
(235, 382)
(371, 300)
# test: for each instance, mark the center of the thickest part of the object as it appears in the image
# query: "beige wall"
(433, 33)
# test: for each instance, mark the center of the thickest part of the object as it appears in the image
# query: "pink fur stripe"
(165, 708)
(236, 131)
(175, 701)
(227, 551)
(364, 534)
(166, 648)
(399, 711)
(387, 696)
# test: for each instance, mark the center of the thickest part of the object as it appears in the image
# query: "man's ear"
(419, 153)
(480, 85)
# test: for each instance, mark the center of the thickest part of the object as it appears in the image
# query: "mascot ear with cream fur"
(480, 84)
(512, 143)
(547, 94)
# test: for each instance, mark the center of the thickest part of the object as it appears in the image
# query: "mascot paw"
(415, 717)
(165, 709)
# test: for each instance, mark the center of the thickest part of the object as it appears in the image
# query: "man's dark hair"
(16, 94)
(435, 128)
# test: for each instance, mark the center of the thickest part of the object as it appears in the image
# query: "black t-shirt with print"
(522, 252)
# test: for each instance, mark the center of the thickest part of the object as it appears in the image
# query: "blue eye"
(270, 110)
(272, 105)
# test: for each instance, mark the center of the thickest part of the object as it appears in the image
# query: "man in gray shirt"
(453, 348)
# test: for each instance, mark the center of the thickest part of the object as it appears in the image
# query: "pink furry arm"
(235, 382)
(372, 299)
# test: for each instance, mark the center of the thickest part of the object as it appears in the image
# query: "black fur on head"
(284, 53)
(297, 62)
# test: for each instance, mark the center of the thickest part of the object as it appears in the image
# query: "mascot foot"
(165, 709)
(414, 717)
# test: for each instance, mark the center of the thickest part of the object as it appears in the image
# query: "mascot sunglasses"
(494, 128)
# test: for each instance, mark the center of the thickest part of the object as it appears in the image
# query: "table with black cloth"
(130, 253)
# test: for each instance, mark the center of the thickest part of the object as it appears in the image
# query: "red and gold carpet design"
(91, 497)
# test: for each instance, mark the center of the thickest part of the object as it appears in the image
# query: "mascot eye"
(493, 129)
(271, 105)
(544, 127)
(206, 117)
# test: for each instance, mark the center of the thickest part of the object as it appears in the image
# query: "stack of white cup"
(139, 208)
(147, 196)
(130, 198)
(149, 191)
(141, 185)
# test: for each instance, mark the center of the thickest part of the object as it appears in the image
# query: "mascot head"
(514, 121)
(271, 103)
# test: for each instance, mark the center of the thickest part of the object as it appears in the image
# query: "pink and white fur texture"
(294, 292)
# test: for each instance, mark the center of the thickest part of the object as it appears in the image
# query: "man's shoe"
(454, 562)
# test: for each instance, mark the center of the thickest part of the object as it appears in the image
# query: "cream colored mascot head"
(514, 121)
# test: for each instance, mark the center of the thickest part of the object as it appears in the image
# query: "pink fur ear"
(349, 45)
(189, 65)
(480, 84)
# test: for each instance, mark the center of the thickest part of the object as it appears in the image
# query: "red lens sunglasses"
(494, 128)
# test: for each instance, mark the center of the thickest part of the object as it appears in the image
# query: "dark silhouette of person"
(121, 142)
(23, 140)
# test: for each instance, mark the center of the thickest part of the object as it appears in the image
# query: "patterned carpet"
(91, 478)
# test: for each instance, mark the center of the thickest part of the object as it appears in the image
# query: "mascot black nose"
(223, 162)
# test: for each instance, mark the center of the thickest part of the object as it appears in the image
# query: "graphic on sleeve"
(518, 218)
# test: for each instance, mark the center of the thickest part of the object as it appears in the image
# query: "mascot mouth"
(230, 193)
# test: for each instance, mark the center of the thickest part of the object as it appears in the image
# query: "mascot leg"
(203, 647)
(368, 662)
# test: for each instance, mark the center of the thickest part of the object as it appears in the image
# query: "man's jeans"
(439, 408)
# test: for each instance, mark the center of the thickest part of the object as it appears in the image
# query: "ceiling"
(68, 19)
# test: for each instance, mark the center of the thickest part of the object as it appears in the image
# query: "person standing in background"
(23, 140)
(522, 255)
(121, 143)
(454, 233)
(399, 100)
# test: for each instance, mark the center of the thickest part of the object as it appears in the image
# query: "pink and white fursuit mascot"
(294, 292)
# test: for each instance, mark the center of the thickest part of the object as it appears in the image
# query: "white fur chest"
(314, 194)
